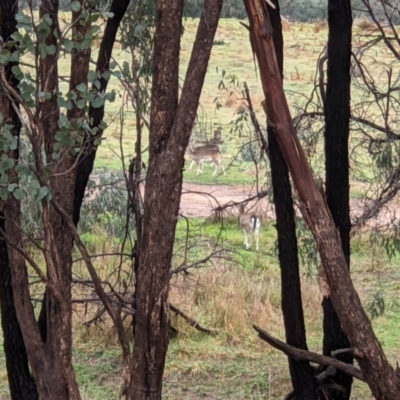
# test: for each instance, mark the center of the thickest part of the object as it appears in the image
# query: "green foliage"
(219, 42)
(308, 252)
(376, 305)
(137, 33)
(302, 11)
(106, 206)
(230, 9)
(28, 185)
(30, 40)
(251, 152)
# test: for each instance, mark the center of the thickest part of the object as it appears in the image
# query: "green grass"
(98, 372)
(234, 364)
(233, 55)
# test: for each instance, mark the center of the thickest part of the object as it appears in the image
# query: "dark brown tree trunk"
(57, 236)
(50, 347)
(152, 322)
(170, 129)
(49, 343)
(85, 167)
(21, 383)
(334, 273)
(79, 69)
(337, 116)
(301, 372)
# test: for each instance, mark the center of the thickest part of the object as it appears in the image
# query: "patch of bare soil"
(200, 200)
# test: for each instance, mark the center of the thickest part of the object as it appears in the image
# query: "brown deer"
(250, 223)
(206, 153)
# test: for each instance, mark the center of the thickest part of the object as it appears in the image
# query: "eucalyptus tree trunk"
(337, 187)
(21, 383)
(49, 341)
(96, 114)
(50, 349)
(301, 372)
(171, 123)
(334, 273)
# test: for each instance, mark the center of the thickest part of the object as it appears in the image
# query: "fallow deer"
(206, 153)
(250, 223)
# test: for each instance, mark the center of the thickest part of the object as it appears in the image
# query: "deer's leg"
(191, 164)
(219, 161)
(246, 242)
(257, 231)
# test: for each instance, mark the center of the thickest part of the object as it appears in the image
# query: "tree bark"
(50, 347)
(49, 342)
(21, 383)
(170, 129)
(85, 167)
(299, 354)
(380, 376)
(337, 117)
(301, 372)
(57, 236)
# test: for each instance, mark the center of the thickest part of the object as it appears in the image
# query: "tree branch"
(304, 355)
(191, 321)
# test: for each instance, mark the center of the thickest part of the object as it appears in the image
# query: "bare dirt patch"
(200, 200)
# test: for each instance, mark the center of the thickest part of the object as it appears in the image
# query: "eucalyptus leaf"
(16, 70)
(81, 104)
(3, 194)
(18, 194)
(43, 191)
(98, 102)
(92, 76)
(12, 187)
(34, 185)
(81, 87)
(3, 179)
(75, 6)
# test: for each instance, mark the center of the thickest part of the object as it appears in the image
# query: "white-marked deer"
(250, 223)
(206, 153)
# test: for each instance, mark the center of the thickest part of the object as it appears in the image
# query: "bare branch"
(96, 280)
(191, 321)
(304, 355)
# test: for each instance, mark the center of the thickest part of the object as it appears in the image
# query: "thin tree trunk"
(152, 321)
(170, 129)
(21, 383)
(85, 167)
(337, 117)
(301, 372)
(334, 273)
(57, 236)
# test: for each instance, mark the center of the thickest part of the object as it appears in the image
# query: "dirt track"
(200, 200)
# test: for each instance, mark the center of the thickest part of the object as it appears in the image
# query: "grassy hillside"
(233, 61)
